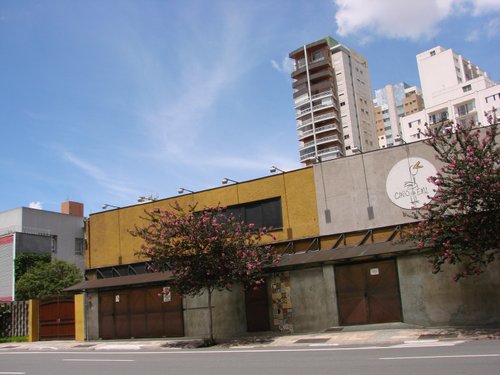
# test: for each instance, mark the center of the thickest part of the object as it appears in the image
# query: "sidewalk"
(379, 334)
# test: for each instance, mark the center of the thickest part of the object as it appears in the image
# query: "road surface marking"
(11, 373)
(97, 360)
(445, 356)
(426, 344)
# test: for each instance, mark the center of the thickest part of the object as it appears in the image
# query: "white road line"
(11, 373)
(444, 356)
(97, 360)
(427, 343)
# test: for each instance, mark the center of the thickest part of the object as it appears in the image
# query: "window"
(317, 56)
(342, 104)
(347, 148)
(433, 53)
(79, 244)
(346, 136)
(466, 88)
(266, 213)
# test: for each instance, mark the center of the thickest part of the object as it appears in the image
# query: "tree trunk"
(212, 341)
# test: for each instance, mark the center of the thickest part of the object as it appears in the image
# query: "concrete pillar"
(331, 295)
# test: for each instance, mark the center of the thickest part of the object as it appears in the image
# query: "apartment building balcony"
(308, 156)
(317, 107)
(297, 72)
(321, 141)
(326, 116)
(321, 95)
(330, 150)
(320, 129)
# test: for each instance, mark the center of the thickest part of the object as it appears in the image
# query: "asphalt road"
(473, 357)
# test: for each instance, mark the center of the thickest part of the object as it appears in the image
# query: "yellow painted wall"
(79, 317)
(110, 243)
(34, 317)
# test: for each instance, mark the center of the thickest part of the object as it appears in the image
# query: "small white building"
(453, 89)
(29, 230)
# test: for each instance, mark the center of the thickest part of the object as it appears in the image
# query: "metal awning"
(145, 278)
(343, 254)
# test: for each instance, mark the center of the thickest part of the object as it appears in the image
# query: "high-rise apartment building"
(413, 101)
(453, 88)
(389, 108)
(332, 97)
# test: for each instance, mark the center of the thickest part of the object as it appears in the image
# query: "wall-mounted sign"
(166, 294)
(407, 184)
(374, 271)
(117, 298)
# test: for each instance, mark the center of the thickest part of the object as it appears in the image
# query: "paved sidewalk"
(380, 334)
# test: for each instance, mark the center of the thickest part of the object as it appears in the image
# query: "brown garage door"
(139, 313)
(257, 310)
(57, 319)
(368, 293)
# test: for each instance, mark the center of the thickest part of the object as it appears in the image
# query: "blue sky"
(102, 101)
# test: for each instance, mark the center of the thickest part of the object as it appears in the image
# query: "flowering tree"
(206, 250)
(461, 223)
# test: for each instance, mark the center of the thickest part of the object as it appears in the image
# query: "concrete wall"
(349, 186)
(313, 298)
(228, 311)
(429, 299)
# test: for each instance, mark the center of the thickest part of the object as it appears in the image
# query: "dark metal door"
(368, 293)
(57, 319)
(140, 313)
(257, 310)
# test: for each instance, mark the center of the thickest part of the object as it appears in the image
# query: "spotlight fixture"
(225, 180)
(182, 190)
(149, 198)
(105, 206)
(273, 169)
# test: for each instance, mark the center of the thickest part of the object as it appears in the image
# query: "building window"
(433, 53)
(467, 88)
(317, 56)
(347, 148)
(79, 244)
(266, 213)
(342, 104)
(346, 136)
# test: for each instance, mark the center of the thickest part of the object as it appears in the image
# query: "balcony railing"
(319, 141)
(326, 116)
(330, 150)
(315, 108)
(310, 155)
(320, 95)
(318, 130)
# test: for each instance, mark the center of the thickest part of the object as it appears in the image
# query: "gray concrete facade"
(350, 187)
(39, 231)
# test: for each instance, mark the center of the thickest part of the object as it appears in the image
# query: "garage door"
(57, 319)
(140, 313)
(368, 293)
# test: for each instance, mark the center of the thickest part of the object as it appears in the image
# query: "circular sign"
(407, 184)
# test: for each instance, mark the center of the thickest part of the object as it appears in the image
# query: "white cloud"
(101, 177)
(403, 19)
(286, 65)
(36, 205)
